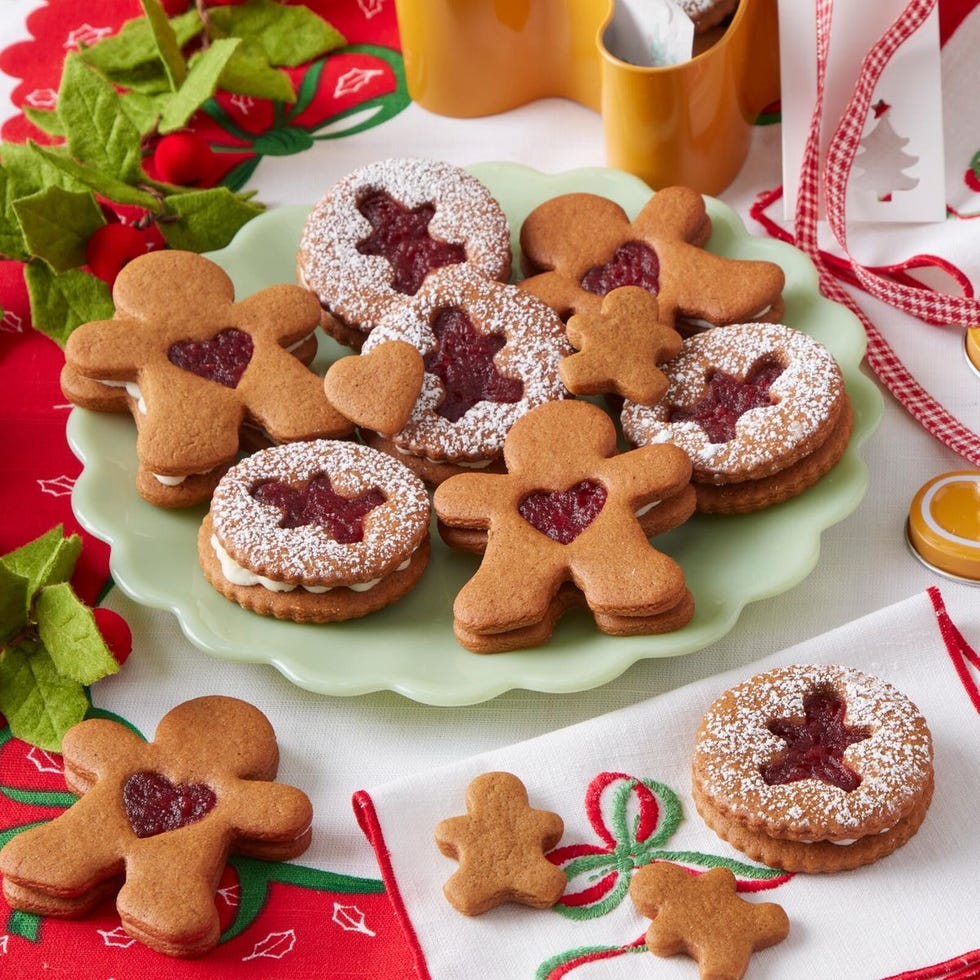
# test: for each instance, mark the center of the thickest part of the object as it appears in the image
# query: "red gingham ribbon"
(918, 301)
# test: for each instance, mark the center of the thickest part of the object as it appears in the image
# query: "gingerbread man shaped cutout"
(575, 248)
(500, 845)
(199, 367)
(161, 816)
(561, 528)
(702, 916)
(619, 347)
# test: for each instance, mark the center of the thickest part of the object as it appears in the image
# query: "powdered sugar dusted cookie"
(491, 354)
(760, 409)
(374, 237)
(813, 767)
(316, 532)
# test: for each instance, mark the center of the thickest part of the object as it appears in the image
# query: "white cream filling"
(132, 389)
(647, 508)
(707, 325)
(466, 464)
(238, 575)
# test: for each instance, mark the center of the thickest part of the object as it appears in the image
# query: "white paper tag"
(650, 33)
(899, 170)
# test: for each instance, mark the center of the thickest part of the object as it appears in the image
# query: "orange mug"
(682, 124)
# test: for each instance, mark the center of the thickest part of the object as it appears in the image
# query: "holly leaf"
(15, 600)
(99, 135)
(29, 171)
(80, 175)
(131, 57)
(201, 83)
(209, 219)
(57, 224)
(288, 35)
(67, 628)
(143, 109)
(39, 704)
(248, 72)
(61, 302)
(166, 43)
(47, 120)
(47, 560)
(12, 242)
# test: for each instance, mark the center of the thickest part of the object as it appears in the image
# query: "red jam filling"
(728, 399)
(634, 264)
(222, 359)
(401, 235)
(155, 805)
(314, 501)
(815, 747)
(463, 360)
(563, 515)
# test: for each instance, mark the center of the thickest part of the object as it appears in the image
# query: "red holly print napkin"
(622, 782)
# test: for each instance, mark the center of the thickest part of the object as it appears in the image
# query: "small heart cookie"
(377, 390)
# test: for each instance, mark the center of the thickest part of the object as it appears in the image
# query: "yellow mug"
(682, 124)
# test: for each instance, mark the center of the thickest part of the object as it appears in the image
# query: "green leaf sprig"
(50, 645)
(115, 99)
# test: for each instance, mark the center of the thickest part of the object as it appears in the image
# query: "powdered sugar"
(249, 530)
(357, 288)
(734, 744)
(535, 344)
(807, 397)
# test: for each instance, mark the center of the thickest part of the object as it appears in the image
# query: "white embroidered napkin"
(621, 783)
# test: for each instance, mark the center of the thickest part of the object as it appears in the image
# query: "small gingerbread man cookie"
(501, 845)
(619, 348)
(162, 817)
(701, 916)
(565, 526)
(576, 248)
(199, 369)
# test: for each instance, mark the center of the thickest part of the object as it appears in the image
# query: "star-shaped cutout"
(501, 844)
(728, 398)
(401, 235)
(316, 502)
(619, 348)
(815, 747)
(701, 916)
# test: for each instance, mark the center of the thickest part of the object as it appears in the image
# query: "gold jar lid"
(973, 348)
(944, 524)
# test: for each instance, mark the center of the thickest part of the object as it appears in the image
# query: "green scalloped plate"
(409, 647)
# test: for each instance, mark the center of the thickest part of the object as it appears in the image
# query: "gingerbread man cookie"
(565, 525)
(619, 348)
(199, 368)
(500, 845)
(701, 916)
(162, 817)
(576, 248)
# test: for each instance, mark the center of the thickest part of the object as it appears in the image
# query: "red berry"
(14, 301)
(174, 7)
(115, 631)
(183, 158)
(110, 247)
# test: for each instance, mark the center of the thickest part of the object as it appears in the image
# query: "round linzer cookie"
(316, 532)
(491, 354)
(760, 408)
(813, 768)
(372, 240)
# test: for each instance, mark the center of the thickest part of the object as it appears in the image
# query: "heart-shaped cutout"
(223, 358)
(154, 804)
(634, 264)
(378, 389)
(563, 515)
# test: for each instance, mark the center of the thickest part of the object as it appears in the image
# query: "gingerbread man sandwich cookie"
(566, 525)
(200, 370)
(157, 821)
(576, 248)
